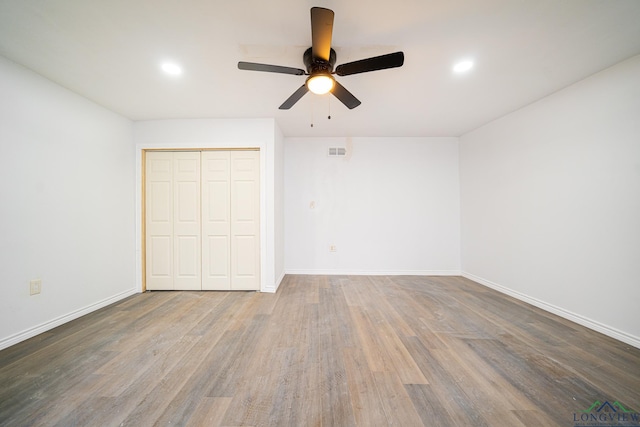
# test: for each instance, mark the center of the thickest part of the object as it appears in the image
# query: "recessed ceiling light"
(462, 67)
(172, 69)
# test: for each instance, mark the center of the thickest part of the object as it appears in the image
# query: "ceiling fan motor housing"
(319, 66)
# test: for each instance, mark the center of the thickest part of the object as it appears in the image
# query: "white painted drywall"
(550, 200)
(218, 133)
(390, 207)
(278, 206)
(66, 204)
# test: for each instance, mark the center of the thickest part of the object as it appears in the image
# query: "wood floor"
(323, 351)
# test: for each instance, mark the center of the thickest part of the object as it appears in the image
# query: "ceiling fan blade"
(321, 31)
(295, 97)
(252, 66)
(345, 96)
(390, 60)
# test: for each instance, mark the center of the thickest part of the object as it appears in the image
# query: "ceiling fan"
(319, 60)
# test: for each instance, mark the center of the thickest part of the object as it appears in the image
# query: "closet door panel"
(159, 220)
(216, 225)
(186, 224)
(245, 220)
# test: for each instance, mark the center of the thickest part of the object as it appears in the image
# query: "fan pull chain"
(312, 109)
(329, 116)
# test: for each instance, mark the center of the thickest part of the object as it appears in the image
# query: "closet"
(202, 222)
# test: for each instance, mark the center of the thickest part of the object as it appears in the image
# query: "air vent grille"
(337, 151)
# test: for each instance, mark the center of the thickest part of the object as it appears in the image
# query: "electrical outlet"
(332, 248)
(35, 286)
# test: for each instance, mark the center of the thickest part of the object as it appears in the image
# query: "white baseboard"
(376, 272)
(280, 279)
(274, 288)
(43, 327)
(576, 318)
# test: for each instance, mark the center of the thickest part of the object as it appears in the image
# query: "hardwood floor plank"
(490, 396)
(365, 399)
(382, 347)
(534, 418)
(145, 369)
(335, 334)
(387, 309)
(162, 394)
(375, 355)
(306, 405)
(427, 402)
(416, 315)
(163, 391)
(325, 351)
(396, 403)
(283, 390)
(209, 412)
(217, 374)
(335, 309)
(151, 394)
(54, 389)
(535, 382)
(154, 339)
(225, 307)
(461, 404)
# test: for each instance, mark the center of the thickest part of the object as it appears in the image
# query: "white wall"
(390, 207)
(550, 199)
(66, 204)
(279, 206)
(220, 133)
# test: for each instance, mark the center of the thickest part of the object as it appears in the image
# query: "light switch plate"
(35, 286)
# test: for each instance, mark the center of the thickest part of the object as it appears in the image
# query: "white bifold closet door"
(216, 220)
(202, 220)
(173, 220)
(245, 220)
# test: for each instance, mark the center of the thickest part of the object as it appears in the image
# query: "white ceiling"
(111, 51)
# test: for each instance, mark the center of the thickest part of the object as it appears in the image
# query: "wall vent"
(337, 151)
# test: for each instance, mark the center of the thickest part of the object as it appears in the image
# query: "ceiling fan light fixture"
(320, 83)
